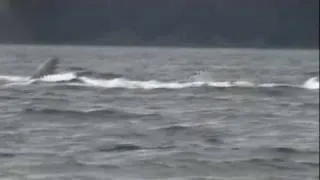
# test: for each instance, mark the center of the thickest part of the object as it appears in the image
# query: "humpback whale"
(46, 72)
(46, 68)
(49, 67)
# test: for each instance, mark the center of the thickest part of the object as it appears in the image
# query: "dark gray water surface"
(174, 113)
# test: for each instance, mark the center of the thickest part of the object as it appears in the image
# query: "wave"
(120, 147)
(95, 112)
(278, 163)
(121, 82)
(130, 147)
(291, 150)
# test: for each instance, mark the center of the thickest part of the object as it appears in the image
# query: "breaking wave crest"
(121, 82)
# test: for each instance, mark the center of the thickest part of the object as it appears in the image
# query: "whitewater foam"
(153, 84)
(68, 76)
(311, 83)
(13, 78)
(132, 84)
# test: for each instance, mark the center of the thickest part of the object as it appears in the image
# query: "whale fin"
(46, 68)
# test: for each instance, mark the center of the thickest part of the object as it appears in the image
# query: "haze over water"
(159, 113)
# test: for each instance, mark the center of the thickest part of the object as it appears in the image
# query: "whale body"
(46, 68)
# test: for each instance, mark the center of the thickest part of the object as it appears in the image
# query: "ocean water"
(159, 113)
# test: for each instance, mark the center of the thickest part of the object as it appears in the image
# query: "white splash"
(312, 83)
(13, 78)
(243, 84)
(130, 84)
(68, 76)
(153, 84)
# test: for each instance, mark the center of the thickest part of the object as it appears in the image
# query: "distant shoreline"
(166, 46)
